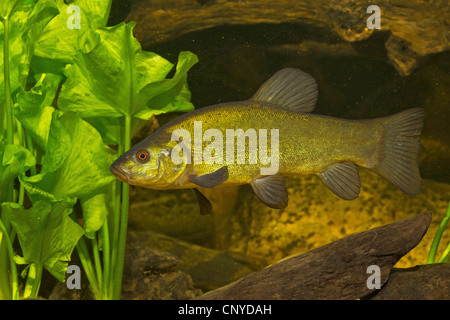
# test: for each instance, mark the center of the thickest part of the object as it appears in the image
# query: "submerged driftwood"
(338, 270)
(417, 28)
(426, 282)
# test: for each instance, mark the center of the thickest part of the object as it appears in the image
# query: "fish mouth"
(120, 174)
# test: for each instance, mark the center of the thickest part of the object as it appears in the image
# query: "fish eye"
(142, 156)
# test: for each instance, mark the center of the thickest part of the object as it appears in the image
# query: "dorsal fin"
(289, 88)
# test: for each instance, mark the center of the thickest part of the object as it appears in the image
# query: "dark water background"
(356, 80)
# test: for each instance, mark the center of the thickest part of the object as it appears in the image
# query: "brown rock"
(208, 268)
(151, 274)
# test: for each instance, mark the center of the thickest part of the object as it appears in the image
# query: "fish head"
(148, 165)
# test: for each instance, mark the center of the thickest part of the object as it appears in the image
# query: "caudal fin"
(400, 163)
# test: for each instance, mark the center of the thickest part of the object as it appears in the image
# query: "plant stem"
(123, 220)
(14, 278)
(31, 274)
(83, 253)
(29, 143)
(444, 255)
(98, 265)
(37, 279)
(438, 236)
(33, 280)
(115, 224)
(8, 104)
(106, 261)
(6, 72)
(5, 285)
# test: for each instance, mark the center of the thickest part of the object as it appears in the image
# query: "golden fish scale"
(308, 143)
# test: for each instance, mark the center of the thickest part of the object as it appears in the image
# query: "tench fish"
(228, 144)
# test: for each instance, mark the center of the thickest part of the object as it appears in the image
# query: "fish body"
(272, 135)
(308, 143)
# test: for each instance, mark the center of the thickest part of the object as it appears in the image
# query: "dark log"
(335, 271)
(427, 282)
(417, 28)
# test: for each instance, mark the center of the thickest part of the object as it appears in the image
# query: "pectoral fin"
(203, 203)
(271, 190)
(343, 180)
(211, 179)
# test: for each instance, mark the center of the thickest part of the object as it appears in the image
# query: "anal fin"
(343, 180)
(271, 190)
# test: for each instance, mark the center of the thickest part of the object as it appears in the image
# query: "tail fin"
(400, 163)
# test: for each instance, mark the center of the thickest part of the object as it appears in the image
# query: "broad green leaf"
(46, 233)
(118, 78)
(109, 128)
(7, 7)
(76, 163)
(26, 23)
(34, 108)
(120, 69)
(35, 189)
(170, 94)
(86, 170)
(61, 39)
(95, 211)
(14, 160)
(58, 147)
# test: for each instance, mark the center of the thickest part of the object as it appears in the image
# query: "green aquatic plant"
(72, 100)
(445, 256)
